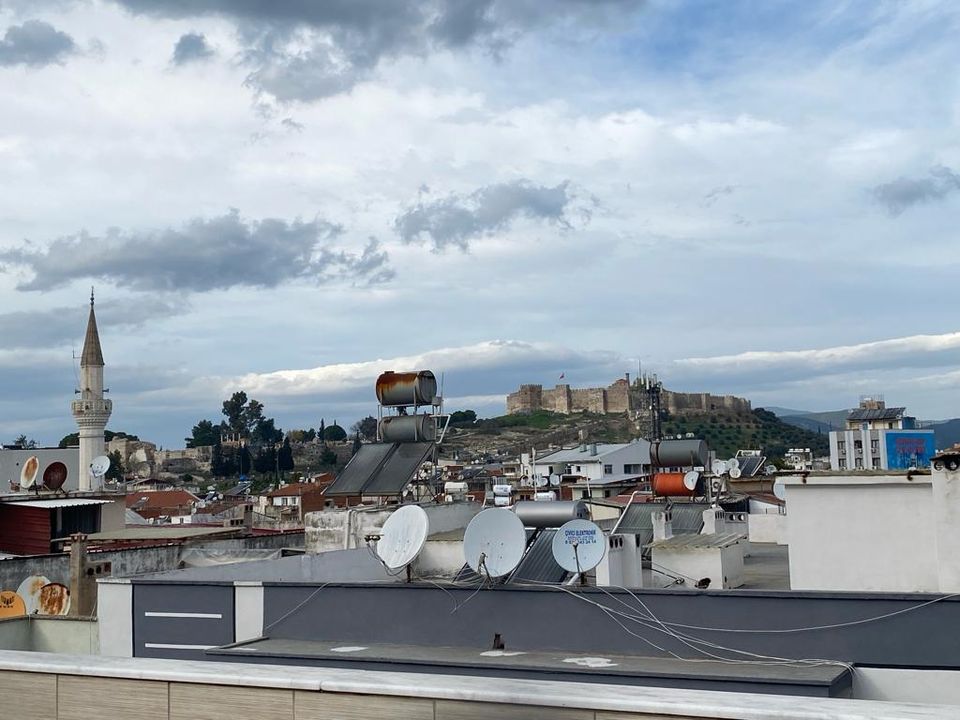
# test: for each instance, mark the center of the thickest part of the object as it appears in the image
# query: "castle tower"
(91, 410)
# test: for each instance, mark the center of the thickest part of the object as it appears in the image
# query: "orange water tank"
(670, 484)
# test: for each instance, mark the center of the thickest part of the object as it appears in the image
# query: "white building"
(876, 532)
(880, 438)
(608, 466)
(91, 410)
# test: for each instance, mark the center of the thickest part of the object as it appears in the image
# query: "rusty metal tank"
(407, 428)
(670, 485)
(406, 388)
(678, 453)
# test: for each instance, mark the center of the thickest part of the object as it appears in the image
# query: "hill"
(818, 422)
(509, 435)
(946, 433)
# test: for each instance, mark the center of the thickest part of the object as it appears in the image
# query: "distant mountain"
(819, 422)
(784, 412)
(946, 433)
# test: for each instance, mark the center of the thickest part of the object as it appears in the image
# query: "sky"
(288, 198)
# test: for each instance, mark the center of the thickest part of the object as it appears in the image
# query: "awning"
(59, 502)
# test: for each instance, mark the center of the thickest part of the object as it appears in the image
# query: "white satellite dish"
(28, 473)
(99, 466)
(719, 467)
(770, 470)
(734, 473)
(732, 463)
(402, 536)
(541, 481)
(690, 480)
(579, 546)
(494, 542)
(555, 480)
(779, 490)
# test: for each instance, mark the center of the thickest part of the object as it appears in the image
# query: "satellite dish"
(55, 476)
(769, 469)
(779, 490)
(541, 481)
(28, 474)
(734, 473)
(732, 463)
(578, 546)
(53, 599)
(29, 591)
(690, 480)
(494, 542)
(555, 480)
(99, 466)
(11, 605)
(719, 467)
(403, 536)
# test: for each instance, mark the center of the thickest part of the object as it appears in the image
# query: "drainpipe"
(623, 514)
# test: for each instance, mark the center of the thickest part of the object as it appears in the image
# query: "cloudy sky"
(754, 198)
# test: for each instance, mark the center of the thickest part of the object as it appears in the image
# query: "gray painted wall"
(11, 462)
(554, 619)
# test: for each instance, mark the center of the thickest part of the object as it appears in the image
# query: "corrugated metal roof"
(638, 520)
(60, 502)
(578, 454)
(539, 565)
(696, 542)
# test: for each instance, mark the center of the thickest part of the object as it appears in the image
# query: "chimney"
(662, 525)
(83, 578)
(593, 448)
(248, 516)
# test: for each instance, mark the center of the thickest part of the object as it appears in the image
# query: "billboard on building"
(907, 449)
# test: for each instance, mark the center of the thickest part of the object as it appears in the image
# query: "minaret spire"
(91, 410)
(92, 355)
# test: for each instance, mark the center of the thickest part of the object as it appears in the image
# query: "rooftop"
(890, 413)
(583, 453)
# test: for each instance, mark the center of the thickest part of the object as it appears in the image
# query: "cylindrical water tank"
(504, 490)
(678, 453)
(408, 428)
(407, 388)
(548, 496)
(455, 488)
(550, 514)
(501, 501)
(670, 485)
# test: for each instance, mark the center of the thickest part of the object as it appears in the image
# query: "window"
(859, 464)
(608, 469)
(876, 463)
(890, 425)
(858, 444)
(874, 447)
(841, 446)
(584, 494)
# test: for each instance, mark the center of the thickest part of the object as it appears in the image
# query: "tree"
(204, 433)
(285, 457)
(265, 433)
(334, 433)
(321, 433)
(356, 443)
(463, 416)
(265, 461)
(23, 443)
(233, 411)
(243, 460)
(252, 414)
(116, 467)
(366, 427)
(328, 457)
(217, 461)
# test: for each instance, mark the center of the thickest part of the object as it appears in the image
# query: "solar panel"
(539, 565)
(361, 469)
(398, 469)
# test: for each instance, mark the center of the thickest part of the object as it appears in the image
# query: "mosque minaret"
(91, 410)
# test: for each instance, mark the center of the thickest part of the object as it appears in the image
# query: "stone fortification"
(619, 397)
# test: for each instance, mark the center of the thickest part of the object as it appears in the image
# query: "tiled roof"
(296, 489)
(160, 499)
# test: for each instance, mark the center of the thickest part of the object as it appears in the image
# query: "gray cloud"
(59, 326)
(903, 193)
(456, 219)
(204, 254)
(191, 47)
(304, 50)
(292, 125)
(34, 43)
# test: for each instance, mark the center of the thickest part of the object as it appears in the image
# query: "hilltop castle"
(619, 397)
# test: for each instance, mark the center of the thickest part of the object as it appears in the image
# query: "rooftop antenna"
(578, 547)
(494, 542)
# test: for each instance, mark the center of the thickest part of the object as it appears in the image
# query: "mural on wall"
(36, 595)
(907, 450)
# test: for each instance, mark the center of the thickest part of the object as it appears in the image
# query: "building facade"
(880, 438)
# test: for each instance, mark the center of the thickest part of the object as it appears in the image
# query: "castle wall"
(683, 403)
(618, 397)
(592, 400)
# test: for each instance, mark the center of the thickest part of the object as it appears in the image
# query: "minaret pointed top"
(92, 354)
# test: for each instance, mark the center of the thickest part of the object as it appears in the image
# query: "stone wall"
(619, 397)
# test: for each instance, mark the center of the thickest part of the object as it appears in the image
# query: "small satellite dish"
(690, 480)
(53, 599)
(403, 536)
(28, 474)
(734, 473)
(99, 466)
(541, 481)
(719, 467)
(578, 546)
(29, 591)
(732, 463)
(779, 490)
(494, 542)
(55, 476)
(769, 469)
(11, 605)
(555, 480)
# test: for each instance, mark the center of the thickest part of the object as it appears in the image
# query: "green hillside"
(758, 430)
